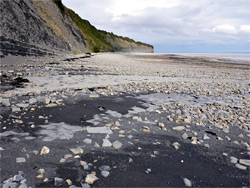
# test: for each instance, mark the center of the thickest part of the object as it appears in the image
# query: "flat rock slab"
(100, 130)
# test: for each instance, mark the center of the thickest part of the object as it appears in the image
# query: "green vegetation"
(76, 52)
(95, 39)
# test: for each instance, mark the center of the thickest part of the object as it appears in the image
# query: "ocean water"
(236, 56)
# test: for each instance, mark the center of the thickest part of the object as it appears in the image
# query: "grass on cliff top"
(94, 39)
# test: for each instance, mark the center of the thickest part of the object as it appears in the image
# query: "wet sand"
(171, 121)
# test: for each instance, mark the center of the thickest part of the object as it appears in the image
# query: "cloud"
(161, 22)
(227, 29)
(245, 28)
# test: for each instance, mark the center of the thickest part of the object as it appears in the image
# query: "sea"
(233, 56)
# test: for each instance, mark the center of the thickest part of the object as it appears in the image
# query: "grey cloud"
(192, 20)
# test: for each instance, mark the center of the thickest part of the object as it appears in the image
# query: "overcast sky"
(173, 25)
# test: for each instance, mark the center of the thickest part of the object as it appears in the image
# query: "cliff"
(31, 27)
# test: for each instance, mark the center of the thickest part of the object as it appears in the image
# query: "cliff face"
(31, 27)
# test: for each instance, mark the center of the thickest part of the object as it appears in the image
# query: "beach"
(125, 120)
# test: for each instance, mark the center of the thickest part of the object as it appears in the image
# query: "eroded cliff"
(30, 27)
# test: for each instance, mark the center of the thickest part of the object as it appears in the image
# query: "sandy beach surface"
(124, 120)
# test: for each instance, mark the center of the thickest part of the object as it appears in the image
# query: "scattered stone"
(148, 171)
(96, 145)
(205, 137)
(178, 112)
(68, 156)
(6, 102)
(58, 181)
(130, 136)
(161, 125)
(90, 179)
(104, 168)
(15, 109)
(207, 145)
(100, 130)
(106, 143)
(226, 130)
(45, 150)
(22, 105)
(18, 177)
(241, 167)
(178, 128)
(145, 129)
(245, 162)
(62, 160)
(32, 101)
(76, 151)
(187, 182)
(184, 136)
(219, 138)
(93, 96)
(194, 140)
(69, 182)
(233, 160)
(187, 120)
(105, 173)
(240, 136)
(41, 171)
(176, 145)
(87, 141)
(85, 185)
(135, 118)
(20, 160)
(117, 144)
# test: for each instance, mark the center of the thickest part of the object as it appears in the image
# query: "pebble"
(20, 160)
(187, 182)
(67, 156)
(176, 145)
(32, 101)
(15, 109)
(178, 112)
(58, 181)
(76, 151)
(22, 105)
(105, 173)
(87, 141)
(85, 185)
(187, 120)
(245, 162)
(148, 171)
(234, 160)
(184, 136)
(145, 129)
(161, 125)
(241, 167)
(90, 179)
(93, 96)
(106, 143)
(6, 102)
(18, 177)
(178, 128)
(45, 150)
(69, 182)
(226, 130)
(205, 137)
(117, 144)
(105, 168)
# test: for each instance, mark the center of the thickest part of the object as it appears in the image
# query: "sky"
(173, 26)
